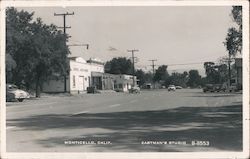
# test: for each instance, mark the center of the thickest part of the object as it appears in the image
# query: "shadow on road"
(221, 126)
(213, 96)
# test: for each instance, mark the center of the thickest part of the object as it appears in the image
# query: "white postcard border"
(159, 155)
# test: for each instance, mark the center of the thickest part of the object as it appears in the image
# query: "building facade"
(79, 77)
(123, 83)
(90, 73)
(106, 81)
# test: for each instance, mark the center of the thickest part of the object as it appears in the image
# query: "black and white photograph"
(125, 78)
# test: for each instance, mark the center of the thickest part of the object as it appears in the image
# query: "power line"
(186, 64)
(179, 64)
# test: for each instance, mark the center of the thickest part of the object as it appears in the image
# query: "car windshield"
(171, 85)
(12, 87)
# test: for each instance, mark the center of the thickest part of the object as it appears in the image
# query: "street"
(154, 120)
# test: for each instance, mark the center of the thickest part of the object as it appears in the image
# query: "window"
(74, 81)
(120, 85)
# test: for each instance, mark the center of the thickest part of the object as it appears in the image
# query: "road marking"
(10, 127)
(114, 105)
(28, 105)
(132, 101)
(78, 113)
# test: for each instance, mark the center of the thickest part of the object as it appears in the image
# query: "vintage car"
(178, 87)
(93, 90)
(209, 88)
(171, 88)
(15, 94)
(214, 88)
(233, 88)
(134, 89)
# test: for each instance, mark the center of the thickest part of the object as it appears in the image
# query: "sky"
(170, 34)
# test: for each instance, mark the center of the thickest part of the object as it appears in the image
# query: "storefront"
(79, 76)
(84, 74)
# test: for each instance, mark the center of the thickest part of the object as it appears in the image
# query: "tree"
(233, 41)
(144, 77)
(223, 73)
(148, 77)
(17, 37)
(178, 79)
(161, 74)
(10, 66)
(140, 75)
(119, 65)
(194, 78)
(216, 74)
(210, 72)
(39, 50)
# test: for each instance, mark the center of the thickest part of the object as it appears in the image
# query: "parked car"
(135, 89)
(15, 94)
(208, 88)
(220, 87)
(233, 88)
(92, 89)
(178, 87)
(171, 88)
(214, 88)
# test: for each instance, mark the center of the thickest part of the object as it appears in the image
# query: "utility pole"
(229, 70)
(64, 31)
(64, 20)
(133, 61)
(153, 66)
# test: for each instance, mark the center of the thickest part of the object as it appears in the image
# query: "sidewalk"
(107, 91)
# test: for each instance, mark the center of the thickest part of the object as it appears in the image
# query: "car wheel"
(20, 100)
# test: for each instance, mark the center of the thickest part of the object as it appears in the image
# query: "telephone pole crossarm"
(63, 14)
(64, 20)
(67, 27)
(87, 45)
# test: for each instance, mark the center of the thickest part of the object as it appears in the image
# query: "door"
(81, 83)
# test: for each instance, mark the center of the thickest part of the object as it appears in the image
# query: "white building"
(79, 76)
(106, 81)
(84, 74)
(123, 82)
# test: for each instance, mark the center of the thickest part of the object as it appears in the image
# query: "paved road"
(151, 121)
